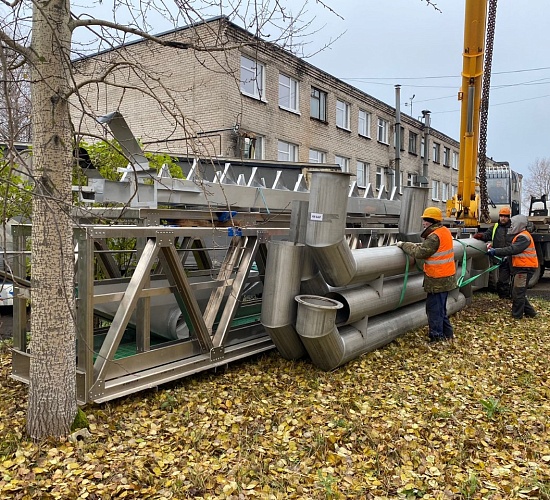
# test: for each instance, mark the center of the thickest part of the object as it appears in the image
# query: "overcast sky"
(388, 42)
(406, 42)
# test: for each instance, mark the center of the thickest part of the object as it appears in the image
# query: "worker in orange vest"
(523, 265)
(439, 271)
(498, 238)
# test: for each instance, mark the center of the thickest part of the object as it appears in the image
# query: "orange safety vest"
(442, 263)
(527, 258)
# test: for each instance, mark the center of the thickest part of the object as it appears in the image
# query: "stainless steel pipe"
(329, 347)
(281, 285)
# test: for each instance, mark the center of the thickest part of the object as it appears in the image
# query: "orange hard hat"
(505, 211)
(432, 213)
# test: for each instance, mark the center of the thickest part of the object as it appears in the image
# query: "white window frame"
(422, 146)
(363, 123)
(316, 156)
(289, 93)
(455, 160)
(363, 168)
(252, 78)
(410, 179)
(343, 161)
(454, 190)
(382, 130)
(444, 191)
(343, 113)
(287, 151)
(435, 190)
(380, 180)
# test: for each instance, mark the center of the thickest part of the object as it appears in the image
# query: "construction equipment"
(466, 206)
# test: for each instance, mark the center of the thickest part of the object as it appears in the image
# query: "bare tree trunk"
(52, 390)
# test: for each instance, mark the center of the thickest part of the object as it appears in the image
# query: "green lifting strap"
(405, 280)
(460, 280)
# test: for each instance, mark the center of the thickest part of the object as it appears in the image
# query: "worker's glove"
(399, 244)
(478, 236)
(491, 252)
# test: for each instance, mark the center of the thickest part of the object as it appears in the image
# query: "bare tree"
(56, 95)
(537, 183)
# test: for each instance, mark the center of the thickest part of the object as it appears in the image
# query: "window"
(401, 139)
(316, 156)
(318, 104)
(444, 191)
(380, 180)
(411, 178)
(413, 141)
(288, 93)
(436, 149)
(422, 147)
(286, 151)
(363, 126)
(435, 190)
(343, 114)
(252, 78)
(455, 160)
(391, 179)
(454, 190)
(446, 156)
(362, 173)
(251, 147)
(383, 126)
(343, 162)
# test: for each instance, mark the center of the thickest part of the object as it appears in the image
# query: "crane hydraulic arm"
(464, 204)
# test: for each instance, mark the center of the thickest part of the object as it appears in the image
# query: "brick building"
(256, 100)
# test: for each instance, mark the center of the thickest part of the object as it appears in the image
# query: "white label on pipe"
(317, 217)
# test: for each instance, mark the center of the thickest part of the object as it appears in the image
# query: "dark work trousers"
(438, 322)
(503, 283)
(520, 303)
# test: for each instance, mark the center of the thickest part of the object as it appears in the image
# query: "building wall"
(196, 95)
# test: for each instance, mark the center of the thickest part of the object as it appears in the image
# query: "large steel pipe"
(281, 285)
(329, 347)
(367, 301)
(325, 236)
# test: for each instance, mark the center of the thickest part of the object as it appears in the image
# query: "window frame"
(293, 87)
(413, 141)
(321, 154)
(380, 179)
(364, 131)
(435, 190)
(455, 158)
(259, 76)
(259, 147)
(343, 114)
(345, 160)
(363, 166)
(321, 100)
(382, 130)
(436, 149)
(446, 156)
(292, 151)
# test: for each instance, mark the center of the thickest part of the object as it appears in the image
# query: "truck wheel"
(536, 277)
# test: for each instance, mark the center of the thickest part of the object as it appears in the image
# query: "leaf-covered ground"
(413, 420)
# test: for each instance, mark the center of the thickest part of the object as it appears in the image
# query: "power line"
(448, 76)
